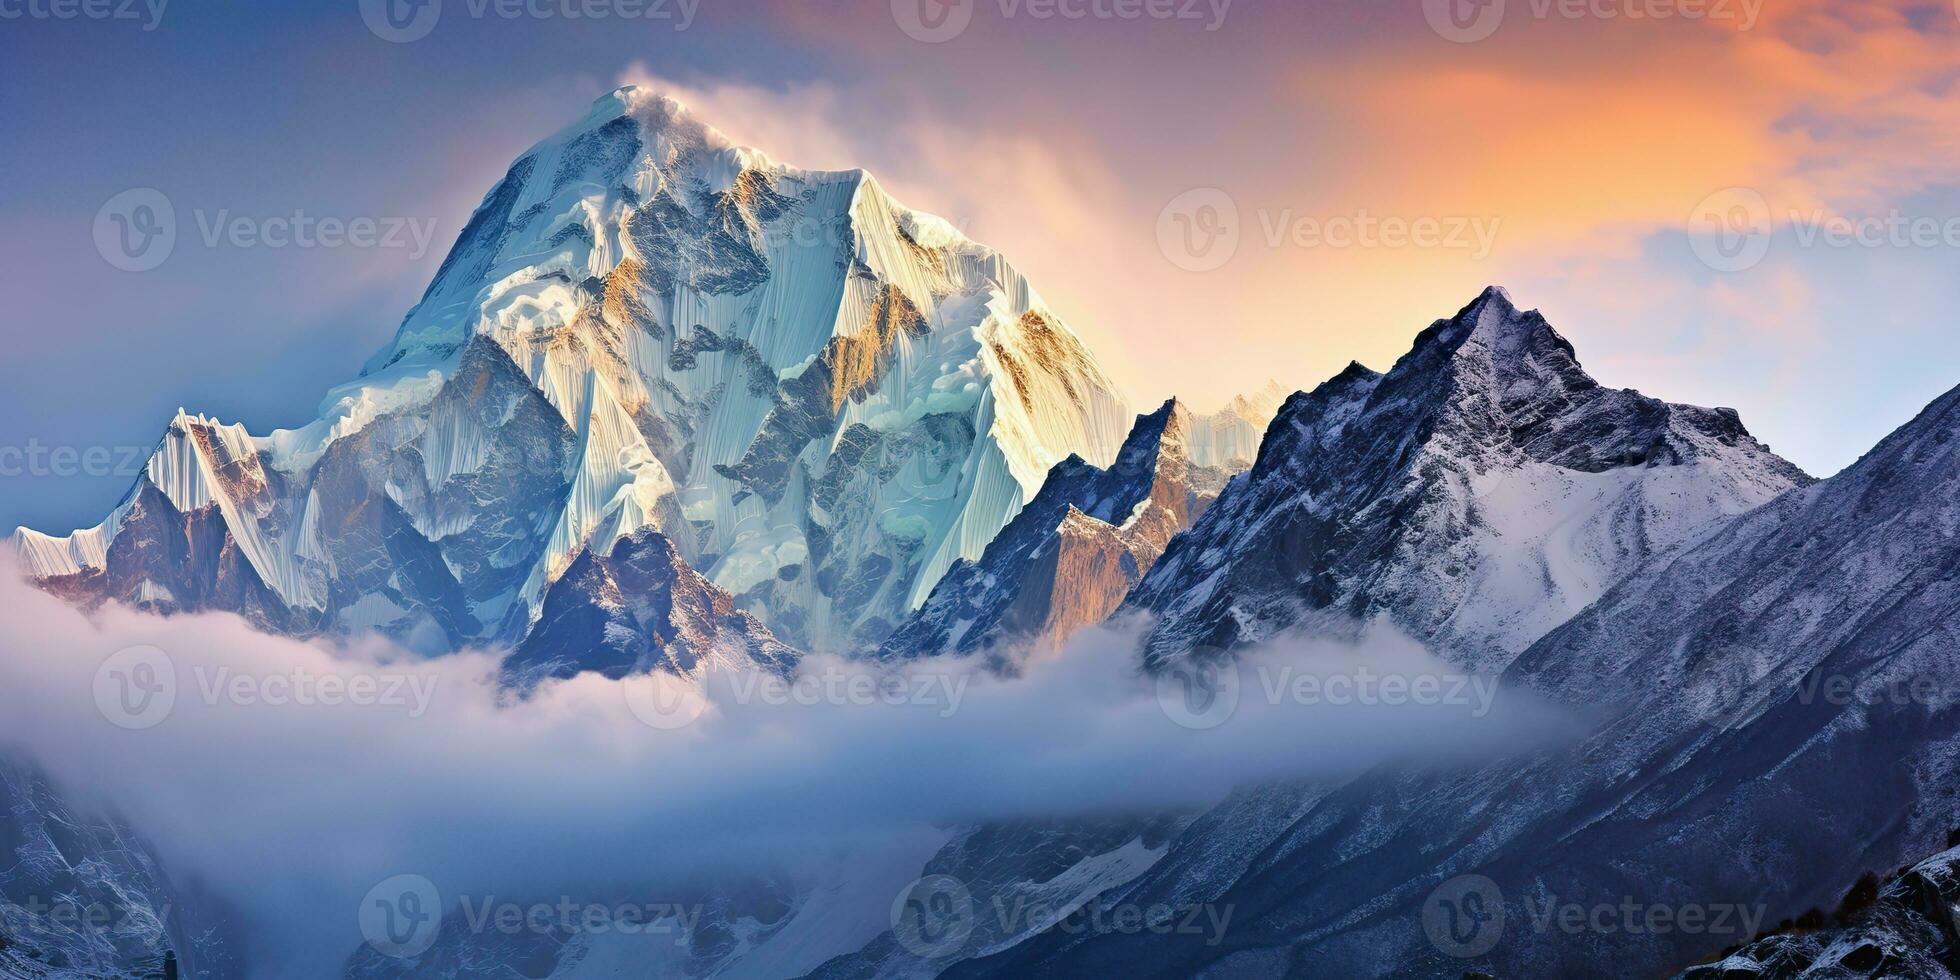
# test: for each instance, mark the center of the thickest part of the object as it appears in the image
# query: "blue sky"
(1590, 145)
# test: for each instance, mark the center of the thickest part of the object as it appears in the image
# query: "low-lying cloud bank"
(290, 777)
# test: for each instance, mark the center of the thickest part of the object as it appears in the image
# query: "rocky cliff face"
(82, 896)
(821, 398)
(1910, 928)
(1068, 559)
(1775, 708)
(1481, 492)
(637, 609)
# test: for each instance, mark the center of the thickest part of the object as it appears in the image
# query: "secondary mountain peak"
(1068, 559)
(1479, 492)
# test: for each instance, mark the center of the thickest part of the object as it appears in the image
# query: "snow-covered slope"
(822, 398)
(1228, 439)
(1021, 878)
(81, 896)
(1478, 494)
(1068, 559)
(1910, 928)
(1777, 710)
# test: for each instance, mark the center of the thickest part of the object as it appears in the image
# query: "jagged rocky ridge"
(1068, 559)
(1911, 928)
(1370, 470)
(1478, 494)
(821, 398)
(82, 896)
(1777, 710)
(637, 609)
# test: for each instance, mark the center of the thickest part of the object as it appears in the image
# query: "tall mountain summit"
(821, 398)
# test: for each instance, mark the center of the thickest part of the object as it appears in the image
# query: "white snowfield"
(823, 397)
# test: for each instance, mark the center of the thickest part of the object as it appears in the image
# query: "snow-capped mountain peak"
(1480, 492)
(822, 398)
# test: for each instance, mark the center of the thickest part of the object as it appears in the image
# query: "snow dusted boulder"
(821, 398)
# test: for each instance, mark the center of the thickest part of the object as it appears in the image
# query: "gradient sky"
(1592, 137)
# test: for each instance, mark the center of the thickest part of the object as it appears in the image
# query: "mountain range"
(669, 405)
